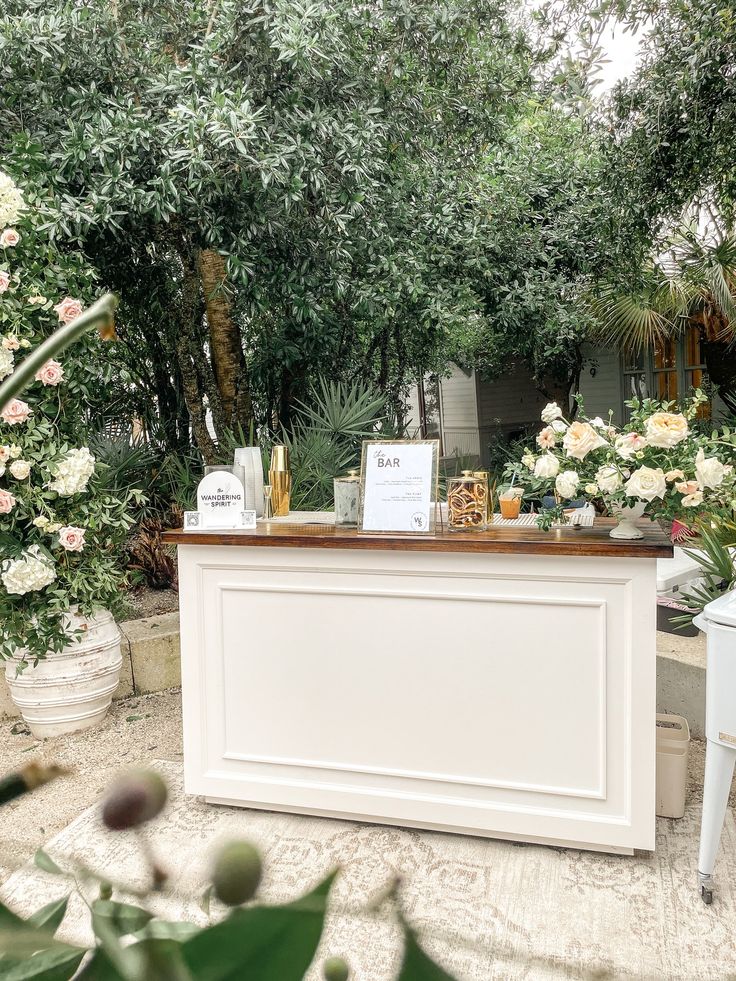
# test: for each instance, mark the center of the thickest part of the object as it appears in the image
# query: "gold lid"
(280, 458)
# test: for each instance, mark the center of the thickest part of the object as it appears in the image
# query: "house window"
(668, 371)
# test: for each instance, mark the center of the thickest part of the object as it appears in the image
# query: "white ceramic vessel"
(72, 689)
(626, 527)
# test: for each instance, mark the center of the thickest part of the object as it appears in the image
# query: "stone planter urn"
(72, 689)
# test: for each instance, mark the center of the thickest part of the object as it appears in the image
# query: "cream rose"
(709, 471)
(7, 502)
(550, 412)
(608, 478)
(6, 362)
(15, 451)
(580, 439)
(547, 438)
(4, 454)
(673, 475)
(9, 238)
(71, 538)
(646, 483)
(50, 373)
(591, 489)
(41, 521)
(692, 500)
(546, 466)
(567, 483)
(14, 413)
(4, 281)
(528, 460)
(666, 429)
(20, 469)
(627, 444)
(68, 309)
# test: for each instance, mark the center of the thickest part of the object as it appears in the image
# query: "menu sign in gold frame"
(399, 486)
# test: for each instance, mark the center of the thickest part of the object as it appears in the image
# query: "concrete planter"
(73, 689)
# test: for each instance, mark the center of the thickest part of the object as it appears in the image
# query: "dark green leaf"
(50, 915)
(262, 943)
(416, 965)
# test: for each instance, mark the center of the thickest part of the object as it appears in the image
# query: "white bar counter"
(498, 684)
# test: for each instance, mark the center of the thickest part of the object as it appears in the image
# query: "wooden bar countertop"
(593, 541)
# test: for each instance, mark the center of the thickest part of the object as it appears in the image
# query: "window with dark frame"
(668, 371)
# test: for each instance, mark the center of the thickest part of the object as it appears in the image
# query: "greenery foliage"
(60, 528)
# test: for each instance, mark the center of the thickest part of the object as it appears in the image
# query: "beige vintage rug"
(487, 909)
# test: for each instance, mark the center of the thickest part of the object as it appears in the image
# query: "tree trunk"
(226, 350)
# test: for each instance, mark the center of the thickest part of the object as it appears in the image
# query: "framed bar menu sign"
(399, 486)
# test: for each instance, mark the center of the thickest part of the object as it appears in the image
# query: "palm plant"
(690, 284)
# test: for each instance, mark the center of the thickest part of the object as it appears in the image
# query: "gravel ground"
(146, 602)
(135, 732)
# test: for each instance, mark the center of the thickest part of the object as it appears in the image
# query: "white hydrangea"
(6, 362)
(73, 473)
(32, 571)
(11, 201)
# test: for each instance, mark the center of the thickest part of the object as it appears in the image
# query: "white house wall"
(601, 382)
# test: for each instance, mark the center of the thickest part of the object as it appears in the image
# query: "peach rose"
(580, 439)
(687, 487)
(51, 373)
(15, 412)
(11, 343)
(547, 438)
(4, 280)
(71, 538)
(4, 454)
(68, 309)
(666, 429)
(9, 238)
(7, 502)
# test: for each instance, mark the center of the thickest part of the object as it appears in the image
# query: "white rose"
(646, 483)
(20, 469)
(598, 423)
(692, 500)
(41, 521)
(559, 426)
(608, 479)
(546, 466)
(566, 484)
(580, 439)
(709, 471)
(550, 412)
(666, 429)
(591, 489)
(627, 444)
(15, 451)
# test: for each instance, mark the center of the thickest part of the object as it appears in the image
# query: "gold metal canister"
(280, 480)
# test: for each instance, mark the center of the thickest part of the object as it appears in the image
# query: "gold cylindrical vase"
(280, 480)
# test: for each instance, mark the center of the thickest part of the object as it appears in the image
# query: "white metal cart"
(718, 621)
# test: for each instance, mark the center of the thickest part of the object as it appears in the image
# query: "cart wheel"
(706, 895)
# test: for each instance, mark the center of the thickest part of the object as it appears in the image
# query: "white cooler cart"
(718, 621)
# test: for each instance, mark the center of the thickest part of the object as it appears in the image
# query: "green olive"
(237, 873)
(335, 969)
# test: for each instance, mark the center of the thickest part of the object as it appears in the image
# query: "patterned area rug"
(487, 909)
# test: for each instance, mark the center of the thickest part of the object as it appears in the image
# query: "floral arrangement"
(60, 529)
(661, 459)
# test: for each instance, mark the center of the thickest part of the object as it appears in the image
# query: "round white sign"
(220, 500)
